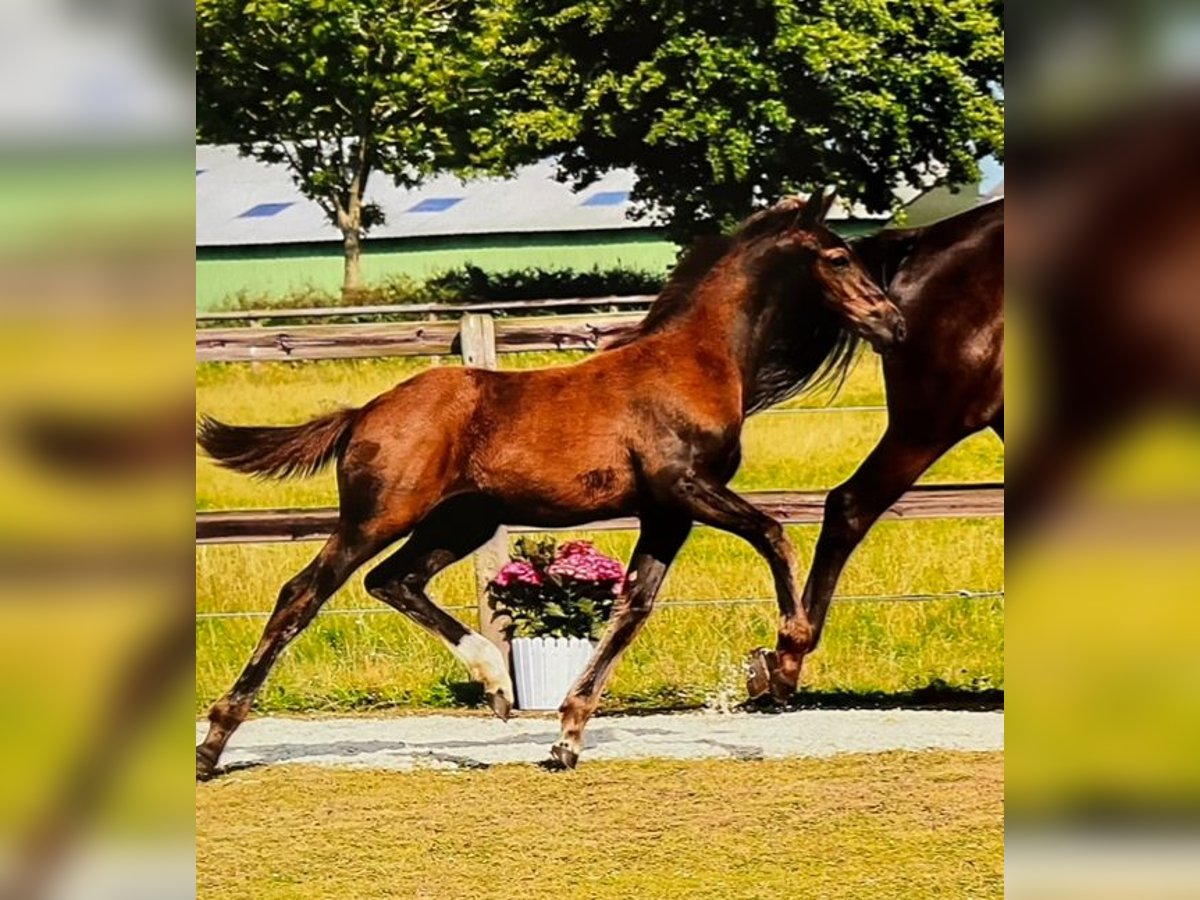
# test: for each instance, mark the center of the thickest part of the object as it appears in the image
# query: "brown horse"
(944, 383)
(650, 429)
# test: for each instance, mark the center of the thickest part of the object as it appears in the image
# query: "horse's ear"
(830, 194)
(816, 208)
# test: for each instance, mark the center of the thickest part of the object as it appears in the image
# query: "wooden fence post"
(478, 337)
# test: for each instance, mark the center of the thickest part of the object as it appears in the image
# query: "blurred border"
(1103, 486)
(96, 419)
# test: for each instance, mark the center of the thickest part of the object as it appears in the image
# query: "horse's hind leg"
(452, 531)
(299, 600)
(656, 548)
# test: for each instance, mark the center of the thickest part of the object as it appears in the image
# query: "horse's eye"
(840, 262)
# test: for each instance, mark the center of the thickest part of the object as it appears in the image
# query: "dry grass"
(894, 825)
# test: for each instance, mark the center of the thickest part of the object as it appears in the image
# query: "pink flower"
(517, 571)
(575, 548)
(580, 561)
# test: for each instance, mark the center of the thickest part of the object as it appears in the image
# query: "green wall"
(263, 272)
(281, 269)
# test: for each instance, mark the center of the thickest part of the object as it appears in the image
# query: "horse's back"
(950, 287)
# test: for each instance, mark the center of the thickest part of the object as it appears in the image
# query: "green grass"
(688, 653)
(897, 825)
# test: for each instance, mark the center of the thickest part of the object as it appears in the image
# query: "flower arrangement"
(556, 590)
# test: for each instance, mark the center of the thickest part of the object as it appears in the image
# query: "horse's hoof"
(564, 756)
(500, 704)
(781, 689)
(759, 667)
(205, 767)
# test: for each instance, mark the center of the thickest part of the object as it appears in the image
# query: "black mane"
(812, 350)
(811, 346)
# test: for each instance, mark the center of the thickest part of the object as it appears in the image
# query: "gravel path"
(471, 742)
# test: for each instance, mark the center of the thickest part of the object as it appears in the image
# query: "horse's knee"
(293, 590)
(395, 589)
(776, 542)
(638, 603)
(774, 534)
(228, 712)
(843, 515)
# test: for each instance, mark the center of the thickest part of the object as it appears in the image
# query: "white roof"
(240, 201)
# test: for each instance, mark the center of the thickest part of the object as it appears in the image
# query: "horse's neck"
(732, 316)
(883, 253)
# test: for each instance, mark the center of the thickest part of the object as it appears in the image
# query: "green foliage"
(471, 283)
(338, 89)
(719, 106)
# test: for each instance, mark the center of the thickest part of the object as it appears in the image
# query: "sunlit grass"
(886, 825)
(688, 653)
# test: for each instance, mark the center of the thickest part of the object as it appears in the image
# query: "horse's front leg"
(712, 503)
(660, 539)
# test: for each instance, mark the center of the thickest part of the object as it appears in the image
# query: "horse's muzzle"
(885, 328)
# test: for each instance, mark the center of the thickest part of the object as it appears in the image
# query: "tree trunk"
(350, 220)
(352, 243)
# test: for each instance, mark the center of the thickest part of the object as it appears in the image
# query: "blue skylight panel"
(607, 198)
(435, 204)
(264, 210)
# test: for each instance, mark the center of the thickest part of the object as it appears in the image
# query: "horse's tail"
(277, 452)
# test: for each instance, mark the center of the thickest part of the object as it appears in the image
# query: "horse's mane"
(811, 347)
(887, 251)
(676, 295)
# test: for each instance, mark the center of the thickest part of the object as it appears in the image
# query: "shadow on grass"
(460, 696)
(936, 695)
(933, 696)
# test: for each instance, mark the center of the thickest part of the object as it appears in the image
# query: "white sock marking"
(484, 662)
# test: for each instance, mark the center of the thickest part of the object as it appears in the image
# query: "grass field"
(689, 653)
(895, 825)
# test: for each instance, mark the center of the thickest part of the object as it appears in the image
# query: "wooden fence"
(934, 501)
(432, 310)
(360, 341)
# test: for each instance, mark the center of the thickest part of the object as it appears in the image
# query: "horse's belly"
(562, 495)
(542, 515)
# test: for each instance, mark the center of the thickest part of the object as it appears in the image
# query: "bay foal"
(651, 429)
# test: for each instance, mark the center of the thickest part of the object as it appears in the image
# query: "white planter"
(545, 669)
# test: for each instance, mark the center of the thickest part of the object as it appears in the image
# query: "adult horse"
(651, 429)
(944, 383)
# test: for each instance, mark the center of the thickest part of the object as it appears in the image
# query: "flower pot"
(546, 667)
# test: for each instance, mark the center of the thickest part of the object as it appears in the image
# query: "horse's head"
(828, 262)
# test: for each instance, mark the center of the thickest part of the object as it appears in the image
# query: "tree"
(722, 105)
(338, 89)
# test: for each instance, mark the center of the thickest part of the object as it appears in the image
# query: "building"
(257, 236)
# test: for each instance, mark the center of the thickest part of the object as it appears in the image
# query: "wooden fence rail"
(934, 501)
(451, 310)
(278, 343)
